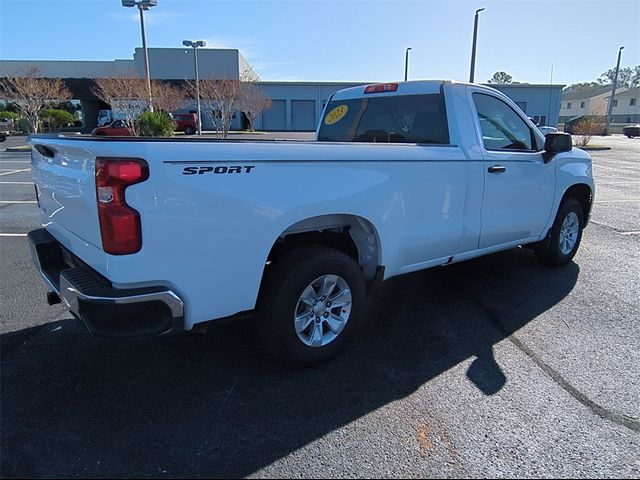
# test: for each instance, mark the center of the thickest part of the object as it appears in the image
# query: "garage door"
(303, 115)
(275, 118)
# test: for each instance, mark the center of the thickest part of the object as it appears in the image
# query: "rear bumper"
(105, 310)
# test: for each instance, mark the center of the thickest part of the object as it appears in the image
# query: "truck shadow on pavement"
(217, 406)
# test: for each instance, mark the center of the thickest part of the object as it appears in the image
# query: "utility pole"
(473, 48)
(406, 63)
(195, 44)
(613, 93)
(142, 6)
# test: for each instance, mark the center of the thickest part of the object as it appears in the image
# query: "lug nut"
(326, 315)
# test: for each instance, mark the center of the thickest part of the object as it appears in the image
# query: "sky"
(344, 40)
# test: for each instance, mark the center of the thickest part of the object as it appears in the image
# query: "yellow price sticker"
(336, 115)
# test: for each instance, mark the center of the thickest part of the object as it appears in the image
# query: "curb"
(595, 148)
(18, 149)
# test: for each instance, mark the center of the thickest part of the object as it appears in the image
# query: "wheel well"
(349, 234)
(582, 193)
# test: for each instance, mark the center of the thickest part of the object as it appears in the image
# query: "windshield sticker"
(336, 114)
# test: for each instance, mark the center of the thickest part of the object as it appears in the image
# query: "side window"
(502, 128)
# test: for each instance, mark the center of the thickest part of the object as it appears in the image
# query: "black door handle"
(497, 169)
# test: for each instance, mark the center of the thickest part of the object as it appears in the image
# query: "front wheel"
(565, 235)
(311, 303)
(189, 130)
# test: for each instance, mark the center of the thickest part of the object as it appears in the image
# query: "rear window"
(388, 119)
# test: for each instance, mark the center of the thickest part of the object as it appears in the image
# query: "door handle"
(497, 169)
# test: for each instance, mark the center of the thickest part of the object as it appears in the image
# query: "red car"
(116, 128)
(186, 122)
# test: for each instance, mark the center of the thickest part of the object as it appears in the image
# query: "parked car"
(117, 128)
(152, 236)
(7, 127)
(186, 122)
(544, 129)
(632, 130)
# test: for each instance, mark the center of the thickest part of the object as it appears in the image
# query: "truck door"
(519, 187)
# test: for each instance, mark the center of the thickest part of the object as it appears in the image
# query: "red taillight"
(119, 223)
(381, 88)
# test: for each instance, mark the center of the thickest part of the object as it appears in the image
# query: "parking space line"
(631, 200)
(610, 183)
(13, 234)
(17, 201)
(16, 183)
(14, 171)
(615, 230)
(611, 169)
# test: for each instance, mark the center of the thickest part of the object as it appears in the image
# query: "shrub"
(155, 124)
(56, 118)
(10, 115)
(586, 129)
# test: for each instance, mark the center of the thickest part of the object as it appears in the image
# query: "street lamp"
(473, 48)
(613, 92)
(195, 44)
(142, 6)
(406, 63)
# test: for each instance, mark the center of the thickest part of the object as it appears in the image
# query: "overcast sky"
(345, 40)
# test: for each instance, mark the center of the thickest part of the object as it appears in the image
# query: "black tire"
(282, 288)
(189, 130)
(549, 251)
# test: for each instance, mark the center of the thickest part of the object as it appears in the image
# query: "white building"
(626, 106)
(591, 102)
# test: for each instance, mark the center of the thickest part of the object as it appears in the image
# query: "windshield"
(388, 119)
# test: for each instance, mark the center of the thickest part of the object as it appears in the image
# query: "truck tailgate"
(64, 176)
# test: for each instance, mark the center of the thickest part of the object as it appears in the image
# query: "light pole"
(613, 92)
(142, 6)
(473, 48)
(406, 63)
(195, 44)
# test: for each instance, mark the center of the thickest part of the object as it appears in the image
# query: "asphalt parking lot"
(495, 367)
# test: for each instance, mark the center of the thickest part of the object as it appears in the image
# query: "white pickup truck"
(147, 236)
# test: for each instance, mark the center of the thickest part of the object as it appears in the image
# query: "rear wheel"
(565, 235)
(189, 130)
(311, 303)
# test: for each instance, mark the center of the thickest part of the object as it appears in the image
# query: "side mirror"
(556, 143)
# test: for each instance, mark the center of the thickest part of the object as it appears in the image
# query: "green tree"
(56, 118)
(501, 78)
(627, 77)
(577, 87)
(10, 115)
